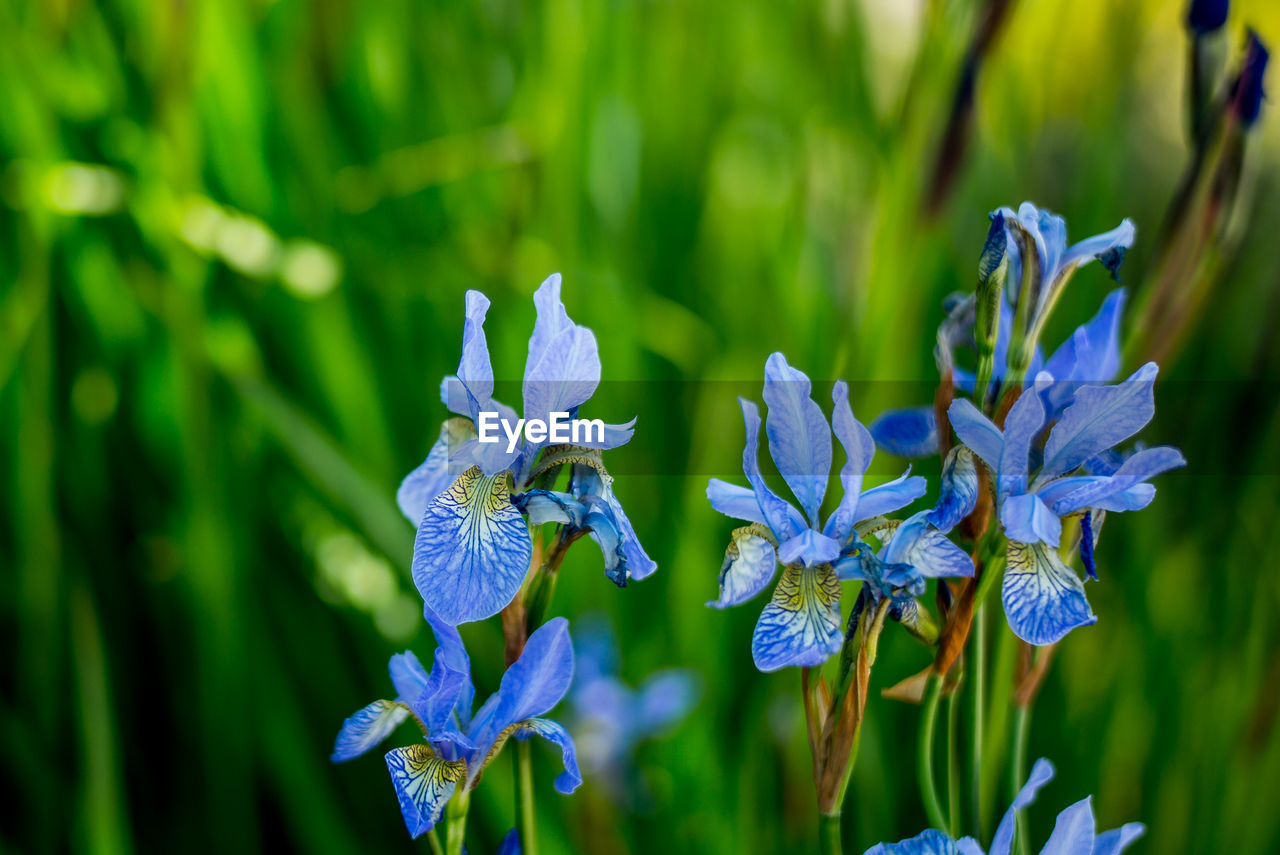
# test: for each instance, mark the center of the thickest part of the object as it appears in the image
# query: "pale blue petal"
(1099, 418)
(976, 431)
(801, 624)
(778, 513)
(570, 779)
(1106, 244)
(532, 685)
(426, 482)
(1133, 499)
(734, 501)
(474, 370)
(1041, 774)
(1073, 833)
(614, 436)
(926, 549)
(1117, 840)
(1090, 355)
(859, 448)
(929, 842)
(968, 846)
(1140, 467)
(1021, 426)
(808, 547)
(959, 491)
(366, 728)
(563, 367)
(450, 651)
(799, 437)
(890, 496)
(664, 698)
(624, 557)
(408, 676)
(472, 549)
(911, 433)
(750, 563)
(1026, 518)
(424, 783)
(1043, 597)
(549, 506)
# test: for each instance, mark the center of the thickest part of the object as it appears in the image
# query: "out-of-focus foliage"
(234, 239)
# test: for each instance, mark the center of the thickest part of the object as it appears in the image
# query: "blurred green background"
(235, 239)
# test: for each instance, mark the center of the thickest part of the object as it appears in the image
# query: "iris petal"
(1023, 423)
(910, 433)
(750, 563)
(859, 448)
(929, 842)
(801, 624)
(433, 475)
(424, 783)
(780, 515)
(532, 685)
(563, 367)
(1026, 518)
(959, 490)
(1073, 833)
(1043, 598)
(890, 496)
(1099, 418)
(1041, 774)
(472, 549)
(808, 547)
(570, 779)
(366, 728)
(799, 437)
(734, 501)
(1117, 840)
(976, 431)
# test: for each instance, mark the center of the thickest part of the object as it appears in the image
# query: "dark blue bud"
(1246, 99)
(1205, 16)
(1111, 260)
(1086, 545)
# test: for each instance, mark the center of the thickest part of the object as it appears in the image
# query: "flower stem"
(1017, 768)
(953, 764)
(456, 821)
(433, 840)
(829, 841)
(524, 800)
(978, 673)
(924, 753)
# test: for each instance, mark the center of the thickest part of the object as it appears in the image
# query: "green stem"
(524, 800)
(456, 821)
(1017, 769)
(829, 841)
(433, 840)
(924, 753)
(979, 677)
(953, 766)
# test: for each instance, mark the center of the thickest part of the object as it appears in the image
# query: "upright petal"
(1043, 597)
(778, 513)
(799, 438)
(1026, 518)
(929, 842)
(424, 783)
(1090, 355)
(472, 549)
(801, 624)
(959, 491)
(750, 563)
(1021, 426)
(1099, 418)
(1073, 833)
(1041, 774)
(1117, 840)
(976, 431)
(911, 433)
(367, 728)
(890, 496)
(532, 685)
(563, 367)
(422, 485)
(474, 370)
(926, 549)
(808, 547)
(859, 448)
(450, 650)
(570, 779)
(734, 501)
(1138, 468)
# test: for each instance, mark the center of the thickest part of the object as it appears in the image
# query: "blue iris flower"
(1074, 833)
(801, 624)
(457, 744)
(1043, 598)
(473, 545)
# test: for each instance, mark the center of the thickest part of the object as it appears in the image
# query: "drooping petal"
(959, 490)
(1026, 518)
(778, 513)
(750, 563)
(976, 431)
(1041, 774)
(859, 448)
(929, 842)
(1107, 247)
(890, 496)
(1099, 418)
(570, 779)
(366, 728)
(532, 685)
(472, 549)
(919, 544)
(1021, 426)
(1073, 833)
(613, 436)
(625, 558)
(1118, 839)
(910, 433)
(799, 437)
(550, 506)
(808, 547)
(801, 624)
(1140, 467)
(563, 367)
(450, 651)
(734, 501)
(424, 783)
(422, 485)
(1043, 598)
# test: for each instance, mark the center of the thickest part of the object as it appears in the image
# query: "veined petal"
(808, 547)
(424, 783)
(625, 558)
(1107, 247)
(1041, 774)
(859, 448)
(799, 437)
(778, 513)
(1141, 466)
(1117, 840)
(1099, 418)
(563, 367)
(570, 779)
(959, 491)
(910, 433)
(472, 549)
(976, 431)
(532, 685)
(1027, 519)
(890, 496)
(367, 728)
(450, 651)
(1073, 833)
(734, 501)
(1021, 426)
(547, 506)
(1043, 597)
(801, 624)
(432, 477)
(1090, 355)
(750, 563)
(926, 549)
(929, 842)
